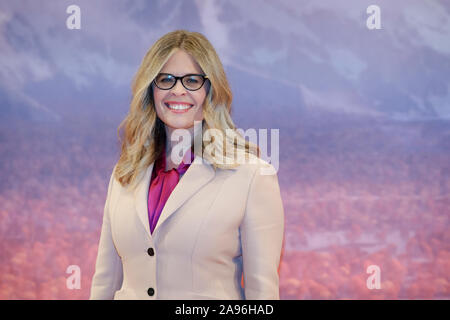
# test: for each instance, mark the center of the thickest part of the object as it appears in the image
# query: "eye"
(192, 79)
(166, 79)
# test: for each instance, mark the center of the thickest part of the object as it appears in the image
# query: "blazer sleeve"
(108, 268)
(262, 236)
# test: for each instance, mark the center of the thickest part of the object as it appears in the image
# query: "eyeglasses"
(191, 82)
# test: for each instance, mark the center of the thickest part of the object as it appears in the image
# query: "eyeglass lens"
(191, 82)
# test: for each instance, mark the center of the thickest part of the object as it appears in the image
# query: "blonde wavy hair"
(144, 135)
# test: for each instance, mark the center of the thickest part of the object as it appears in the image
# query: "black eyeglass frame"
(204, 78)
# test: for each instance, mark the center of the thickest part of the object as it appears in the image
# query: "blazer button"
(151, 252)
(151, 291)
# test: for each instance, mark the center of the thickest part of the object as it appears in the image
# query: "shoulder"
(257, 166)
(115, 187)
(251, 169)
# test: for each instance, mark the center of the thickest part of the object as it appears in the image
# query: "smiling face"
(180, 64)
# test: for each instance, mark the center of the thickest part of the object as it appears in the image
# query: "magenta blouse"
(162, 184)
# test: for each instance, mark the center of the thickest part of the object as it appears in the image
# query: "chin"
(180, 124)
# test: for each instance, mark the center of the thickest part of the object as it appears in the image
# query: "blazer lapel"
(199, 173)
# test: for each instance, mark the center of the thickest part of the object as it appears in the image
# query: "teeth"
(178, 106)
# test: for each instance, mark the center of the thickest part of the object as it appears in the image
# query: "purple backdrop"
(364, 134)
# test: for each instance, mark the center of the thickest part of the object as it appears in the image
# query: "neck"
(186, 141)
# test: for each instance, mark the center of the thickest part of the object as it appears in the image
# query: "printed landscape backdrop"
(364, 120)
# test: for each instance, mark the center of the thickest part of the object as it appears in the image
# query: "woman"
(222, 226)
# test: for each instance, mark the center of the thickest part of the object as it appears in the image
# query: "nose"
(178, 88)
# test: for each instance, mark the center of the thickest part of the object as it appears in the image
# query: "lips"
(177, 102)
(178, 107)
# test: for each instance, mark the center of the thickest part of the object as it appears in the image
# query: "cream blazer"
(215, 226)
